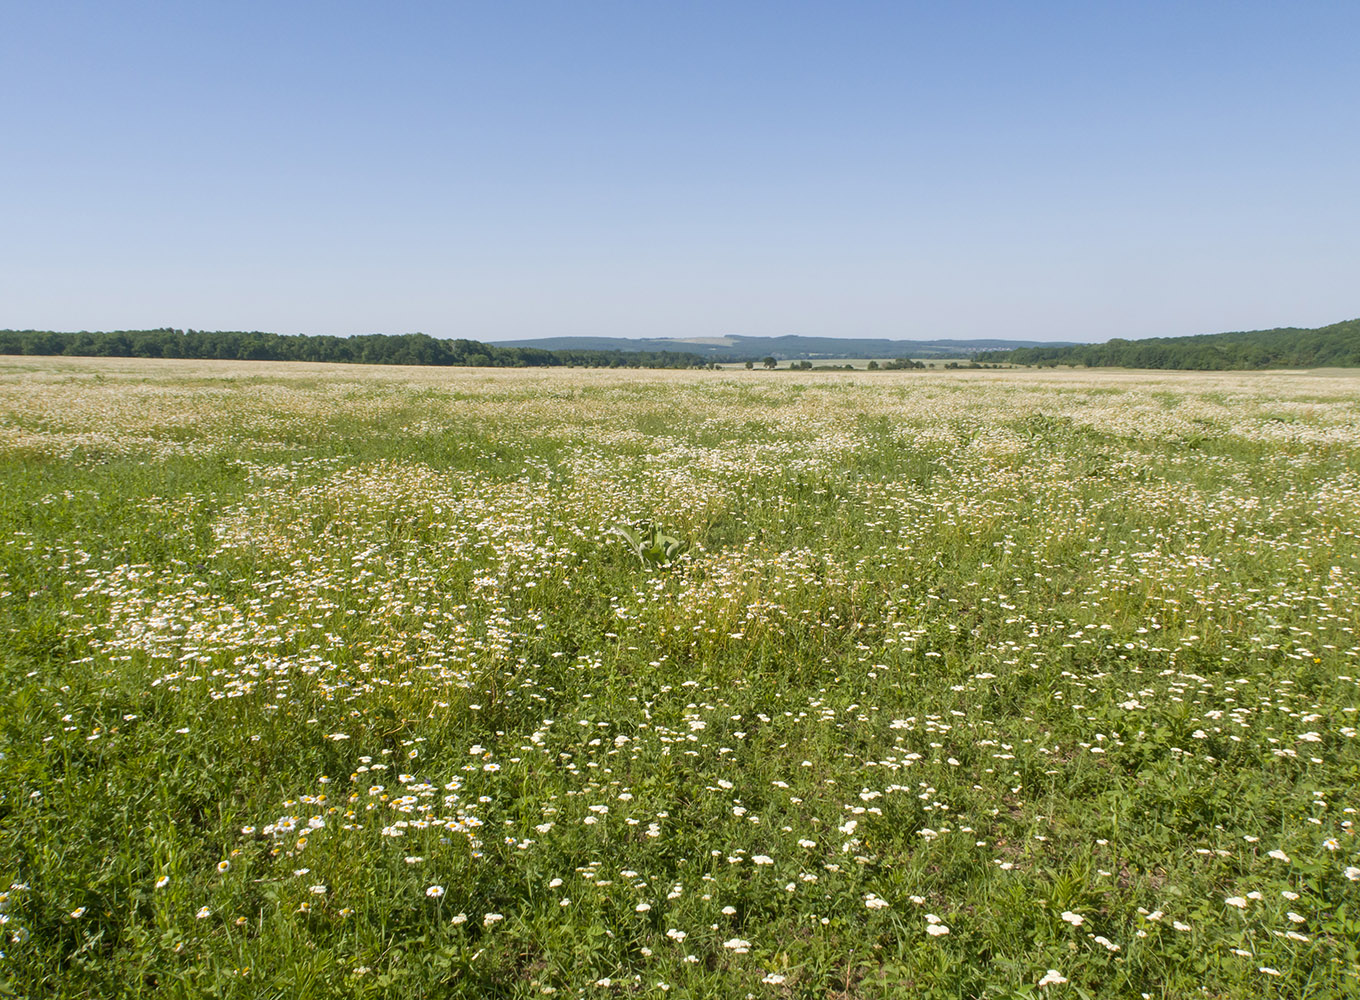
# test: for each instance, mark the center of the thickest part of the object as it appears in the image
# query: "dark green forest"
(1335, 346)
(367, 349)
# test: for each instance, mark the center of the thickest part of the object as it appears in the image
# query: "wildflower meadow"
(396, 682)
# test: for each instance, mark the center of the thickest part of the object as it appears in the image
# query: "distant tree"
(872, 366)
(750, 365)
(769, 362)
(375, 349)
(1335, 345)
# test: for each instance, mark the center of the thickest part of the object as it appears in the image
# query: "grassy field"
(334, 681)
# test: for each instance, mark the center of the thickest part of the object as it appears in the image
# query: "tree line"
(1335, 346)
(366, 349)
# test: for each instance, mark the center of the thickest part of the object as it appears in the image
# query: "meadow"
(336, 681)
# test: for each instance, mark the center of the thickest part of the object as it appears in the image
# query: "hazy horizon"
(1049, 172)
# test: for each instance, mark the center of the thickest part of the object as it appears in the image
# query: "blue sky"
(1037, 170)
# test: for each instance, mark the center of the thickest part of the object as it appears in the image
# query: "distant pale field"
(322, 680)
(155, 401)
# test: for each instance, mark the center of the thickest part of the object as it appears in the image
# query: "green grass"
(1052, 660)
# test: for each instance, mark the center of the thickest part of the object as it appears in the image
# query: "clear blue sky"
(1053, 171)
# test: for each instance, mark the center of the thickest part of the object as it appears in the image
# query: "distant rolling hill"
(738, 348)
(1335, 346)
